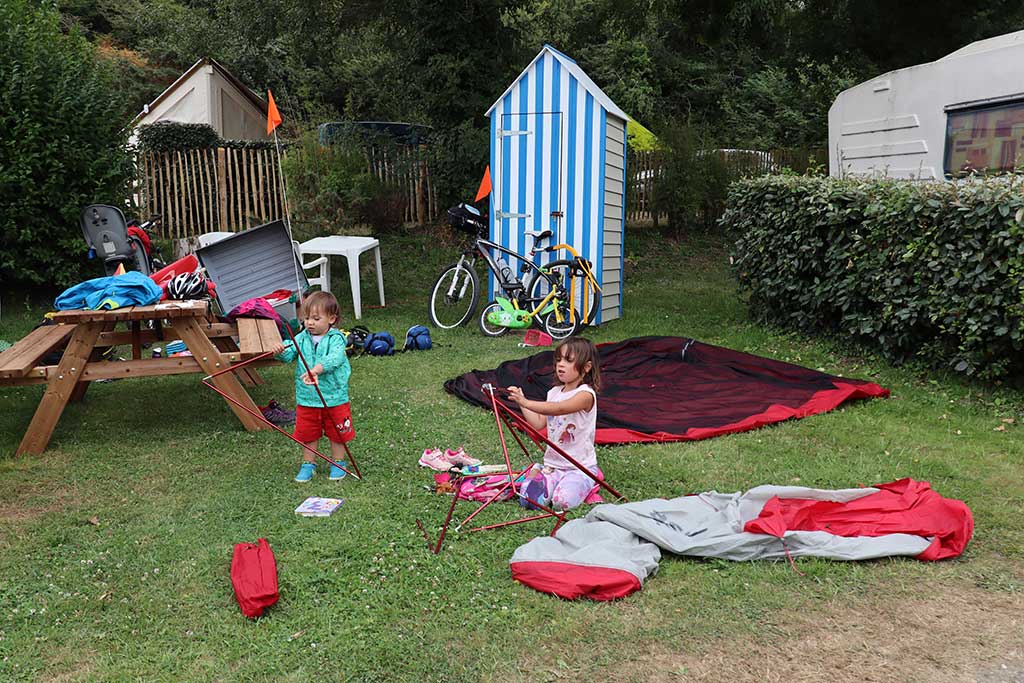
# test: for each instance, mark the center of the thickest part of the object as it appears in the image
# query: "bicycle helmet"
(188, 286)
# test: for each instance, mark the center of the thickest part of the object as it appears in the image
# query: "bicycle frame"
(484, 248)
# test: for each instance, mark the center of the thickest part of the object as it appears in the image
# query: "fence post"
(421, 205)
(222, 187)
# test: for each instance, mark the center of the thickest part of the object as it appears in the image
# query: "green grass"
(115, 544)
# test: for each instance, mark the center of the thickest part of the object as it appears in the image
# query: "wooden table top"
(160, 311)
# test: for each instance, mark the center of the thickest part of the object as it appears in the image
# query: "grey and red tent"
(609, 553)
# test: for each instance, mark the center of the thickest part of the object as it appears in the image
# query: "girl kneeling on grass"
(570, 415)
(323, 347)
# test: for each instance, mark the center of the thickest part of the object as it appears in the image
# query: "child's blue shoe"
(336, 472)
(305, 472)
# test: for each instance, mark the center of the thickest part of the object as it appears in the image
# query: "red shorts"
(335, 423)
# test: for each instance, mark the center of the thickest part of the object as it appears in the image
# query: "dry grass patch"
(957, 633)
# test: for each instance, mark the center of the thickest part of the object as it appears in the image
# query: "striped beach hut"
(558, 162)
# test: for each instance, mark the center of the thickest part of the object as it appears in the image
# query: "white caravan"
(958, 114)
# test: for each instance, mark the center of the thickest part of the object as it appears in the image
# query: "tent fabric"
(904, 506)
(656, 389)
(254, 577)
(903, 518)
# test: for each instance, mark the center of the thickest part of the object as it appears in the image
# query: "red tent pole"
(501, 433)
(256, 414)
(534, 434)
(316, 386)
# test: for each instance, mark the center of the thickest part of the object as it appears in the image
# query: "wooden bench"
(18, 360)
(257, 336)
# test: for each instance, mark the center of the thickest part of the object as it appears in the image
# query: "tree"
(61, 147)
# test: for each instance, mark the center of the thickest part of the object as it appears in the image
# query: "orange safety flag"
(273, 116)
(485, 185)
(120, 269)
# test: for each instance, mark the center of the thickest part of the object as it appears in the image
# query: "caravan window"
(985, 139)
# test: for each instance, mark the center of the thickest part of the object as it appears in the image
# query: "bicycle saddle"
(538, 235)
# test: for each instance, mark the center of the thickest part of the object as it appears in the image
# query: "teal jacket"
(330, 353)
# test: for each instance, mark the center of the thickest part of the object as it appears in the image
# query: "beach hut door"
(531, 176)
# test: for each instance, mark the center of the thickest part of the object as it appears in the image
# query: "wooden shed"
(558, 162)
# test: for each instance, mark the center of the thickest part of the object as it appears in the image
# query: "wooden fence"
(407, 170)
(229, 189)
(645, 169)
(208, 190)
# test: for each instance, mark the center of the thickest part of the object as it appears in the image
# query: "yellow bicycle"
(576, 275)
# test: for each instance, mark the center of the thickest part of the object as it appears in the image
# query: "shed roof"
(570, 65)
(255, 99)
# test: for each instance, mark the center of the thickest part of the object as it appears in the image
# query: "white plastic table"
(351, 248)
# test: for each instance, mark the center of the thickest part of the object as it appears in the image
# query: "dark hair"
(581, 351)
(323, 302)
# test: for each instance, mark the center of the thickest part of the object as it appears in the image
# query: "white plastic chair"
(322, 274)
(208, 238)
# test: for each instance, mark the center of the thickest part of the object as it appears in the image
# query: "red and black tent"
(679, 389)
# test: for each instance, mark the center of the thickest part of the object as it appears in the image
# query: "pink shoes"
(435, 460)
(442, 462)
(458, 457)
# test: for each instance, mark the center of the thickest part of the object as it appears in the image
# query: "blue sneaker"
(336, 472)
(306, 472)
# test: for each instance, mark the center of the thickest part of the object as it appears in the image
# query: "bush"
(62, 145)
(458, 156)
(330, 188)
(932, 271)
(693, 182)
(166, 136)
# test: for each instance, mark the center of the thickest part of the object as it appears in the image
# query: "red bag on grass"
(254, 576)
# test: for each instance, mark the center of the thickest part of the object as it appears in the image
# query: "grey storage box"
(254, 263)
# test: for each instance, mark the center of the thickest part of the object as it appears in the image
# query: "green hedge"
(167, 136)
(62, 145)
(920, 270)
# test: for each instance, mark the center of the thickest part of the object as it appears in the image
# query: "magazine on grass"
(315, 506)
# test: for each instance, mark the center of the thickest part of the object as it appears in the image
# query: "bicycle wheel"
(454, 297)
(487, 328)
(567, 326)
(539, 286)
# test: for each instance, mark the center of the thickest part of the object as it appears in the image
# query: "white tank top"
(574, 433)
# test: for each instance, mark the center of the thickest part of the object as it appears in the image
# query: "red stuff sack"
(254, 576)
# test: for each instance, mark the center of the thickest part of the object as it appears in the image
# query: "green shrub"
(926, 270)
(165, 136)
(330, 188)
(62, 145)
(693, 181)
(458, 156)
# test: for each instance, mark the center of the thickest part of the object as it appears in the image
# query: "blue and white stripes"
(547, 156)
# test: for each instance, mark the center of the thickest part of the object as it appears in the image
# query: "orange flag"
(485, 185)
(120, 269)
(273, 116)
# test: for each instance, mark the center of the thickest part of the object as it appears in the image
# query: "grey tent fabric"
(628, 537)
(586, 542)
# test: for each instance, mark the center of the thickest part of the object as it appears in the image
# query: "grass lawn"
(115, 544)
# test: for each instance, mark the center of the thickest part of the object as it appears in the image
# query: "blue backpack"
(417, 339)
(379, 344)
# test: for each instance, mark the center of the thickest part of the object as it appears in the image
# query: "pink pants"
(567, 489)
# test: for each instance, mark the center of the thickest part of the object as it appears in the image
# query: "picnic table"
(85, 334)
